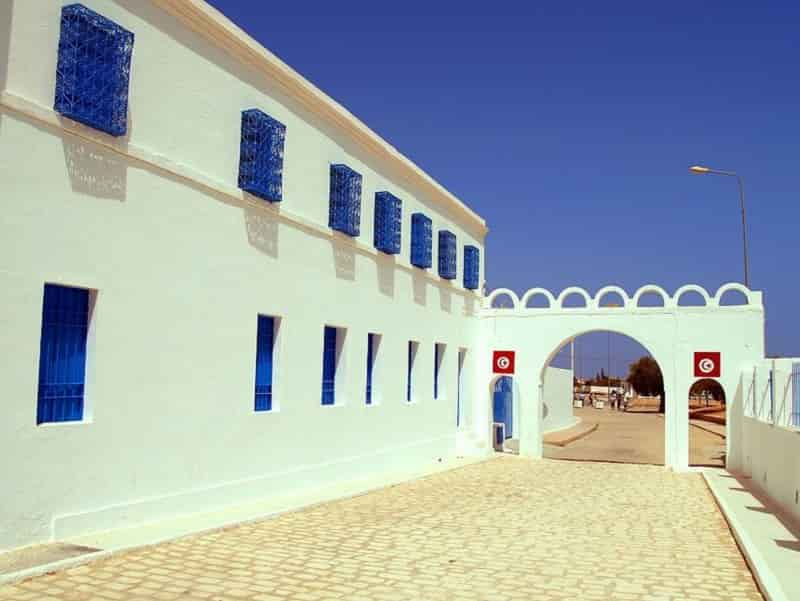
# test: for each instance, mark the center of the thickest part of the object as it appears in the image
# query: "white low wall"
(766, 445)
(557, 402)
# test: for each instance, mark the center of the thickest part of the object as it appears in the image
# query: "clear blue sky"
(570, 126)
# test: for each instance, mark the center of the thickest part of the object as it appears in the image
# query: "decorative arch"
(733, 286)
(551, 300)
(608, 289)
(502, 292)
(574, 290)
(692, 288)
(654, 289)
(580, 332)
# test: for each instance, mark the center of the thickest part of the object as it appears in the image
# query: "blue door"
(504, 403)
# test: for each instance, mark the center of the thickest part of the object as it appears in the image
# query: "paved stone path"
(505, 529)
(637, 437)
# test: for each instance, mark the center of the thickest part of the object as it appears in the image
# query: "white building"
(173, 344)
(177, 263)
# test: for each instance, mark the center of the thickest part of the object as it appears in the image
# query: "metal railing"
(795, 414)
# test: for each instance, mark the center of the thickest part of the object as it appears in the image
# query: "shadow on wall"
(94, 170)
(262, 230)
(344, 258)
(420, 284)
(470, 305)
(385, 266)
(445, 298)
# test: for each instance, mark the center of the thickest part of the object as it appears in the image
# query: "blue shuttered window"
(412, 353)
(370, 365)
(447, 255)
(461, 356)
(62, 354)
(435, 371)
(329, 366)
(93, 70)
(472, 267)
(261, 155)
(388, 215)
(344, 213)
(264, 352)
(421, 241)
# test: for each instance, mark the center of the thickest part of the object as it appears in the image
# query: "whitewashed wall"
(769, 445)
(183, 264)
(557, 412)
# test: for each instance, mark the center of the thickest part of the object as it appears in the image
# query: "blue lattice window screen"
(264, 352)
(472, 267)
(421, 241)
(93, 70)
(345, 200)
(447, 255)
(388, 215)
(62, 354)
(329, 366)
(261, 155)
(370, 365)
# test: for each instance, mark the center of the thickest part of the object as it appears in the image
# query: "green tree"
(645, 377)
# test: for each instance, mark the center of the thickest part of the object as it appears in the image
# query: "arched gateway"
(688, 342)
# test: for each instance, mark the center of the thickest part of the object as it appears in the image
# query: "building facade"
(220, 284)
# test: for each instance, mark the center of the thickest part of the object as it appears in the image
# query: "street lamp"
(700, 170)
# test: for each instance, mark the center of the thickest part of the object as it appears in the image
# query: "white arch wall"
(671, 333)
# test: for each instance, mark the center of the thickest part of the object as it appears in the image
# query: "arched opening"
(611, 300)
(504, 411)
(502, 300)
(691, 298)
(603, 400)
(574, 300)
(707, 423)
(731, 298)
(650, 299)
(537, 301)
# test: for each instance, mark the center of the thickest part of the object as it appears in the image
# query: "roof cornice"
(217, 28)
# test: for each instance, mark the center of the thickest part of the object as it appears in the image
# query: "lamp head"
(699, 169)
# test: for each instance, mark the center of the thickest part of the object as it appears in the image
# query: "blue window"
(438, 359)
(372, 348)
(421, 241)
(388, 212)
(329, 365)
(261, 155)
(447, 255)
(62, 354)
(93, 70)
(265, 345)
(412, 355)
(345, 201)
(461, 356)
(472, 267)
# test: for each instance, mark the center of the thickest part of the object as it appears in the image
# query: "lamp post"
(700, 170)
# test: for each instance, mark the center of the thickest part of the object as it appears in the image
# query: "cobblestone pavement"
(506, 529)
(637, 437)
